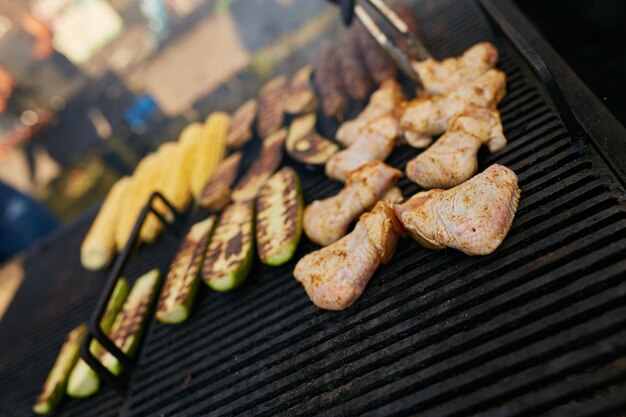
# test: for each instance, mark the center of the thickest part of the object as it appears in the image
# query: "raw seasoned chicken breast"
(473, 217)
(327, 220)
(452, 159)
(441, 77)
(428, 116)
(335, 276)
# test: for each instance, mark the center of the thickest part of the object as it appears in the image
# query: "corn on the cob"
(130, 322)
(84, 381)
(210, 151)
(153, 226)
(54, 387)
(136, 198)
(98, 248)
(181, 284)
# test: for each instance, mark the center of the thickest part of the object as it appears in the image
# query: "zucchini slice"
(84, 381)
(216, 193)
(181, 284)
(305, 145)
(268, 161)
(130, 322)
(279, 217)
(229, 255)
(54, 387)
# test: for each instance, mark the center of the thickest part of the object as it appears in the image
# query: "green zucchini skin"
(183, 278)
(84, 381)
(230, 253)
(54, 387)
(129, 324)
(279, 217)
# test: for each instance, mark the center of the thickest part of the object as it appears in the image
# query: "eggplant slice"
(216, 193)
(279, 217)
(262, 168)
(305, 145)
(240, 129)
(272, 106)
(301, 96)
(229, 255)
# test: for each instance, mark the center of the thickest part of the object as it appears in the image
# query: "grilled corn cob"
(210, 151)
(182, 280)
(84, 381)
(98, 248)
(54, 387)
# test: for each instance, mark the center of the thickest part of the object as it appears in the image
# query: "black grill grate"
(535, 328)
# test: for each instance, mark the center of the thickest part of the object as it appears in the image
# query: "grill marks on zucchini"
(216, 193)
(272, 106)
(268, 161)
(130, 322)
(181, 284)
(229, 255)
(54, 387)
(279, 217)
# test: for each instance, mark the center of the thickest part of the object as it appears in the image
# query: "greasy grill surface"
(535, 328)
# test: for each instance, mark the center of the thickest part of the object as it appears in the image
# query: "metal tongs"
(400, 58)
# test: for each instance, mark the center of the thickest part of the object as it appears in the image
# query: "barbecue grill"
(539, 327)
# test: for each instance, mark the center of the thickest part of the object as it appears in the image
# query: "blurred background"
(87, 87)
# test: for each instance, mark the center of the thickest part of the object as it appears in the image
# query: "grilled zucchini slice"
(129, 324)
(216, 193)
(54, 387)
(84, 381)
(268, 161)
(229, 255)
(181, 284)
(279, 217)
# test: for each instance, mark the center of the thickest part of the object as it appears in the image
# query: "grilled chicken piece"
(240, 128)
(428, 116)
(272, 106)
(216, 194)
(335, 276)
(355, 77)
(376, 144)
(327, 220)
(383, 102)
(305, 145)
(442, 77)
(453, 160)
(378, 63)
(301, 97)
(329, 83)
(268, 161)
(473, 217)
